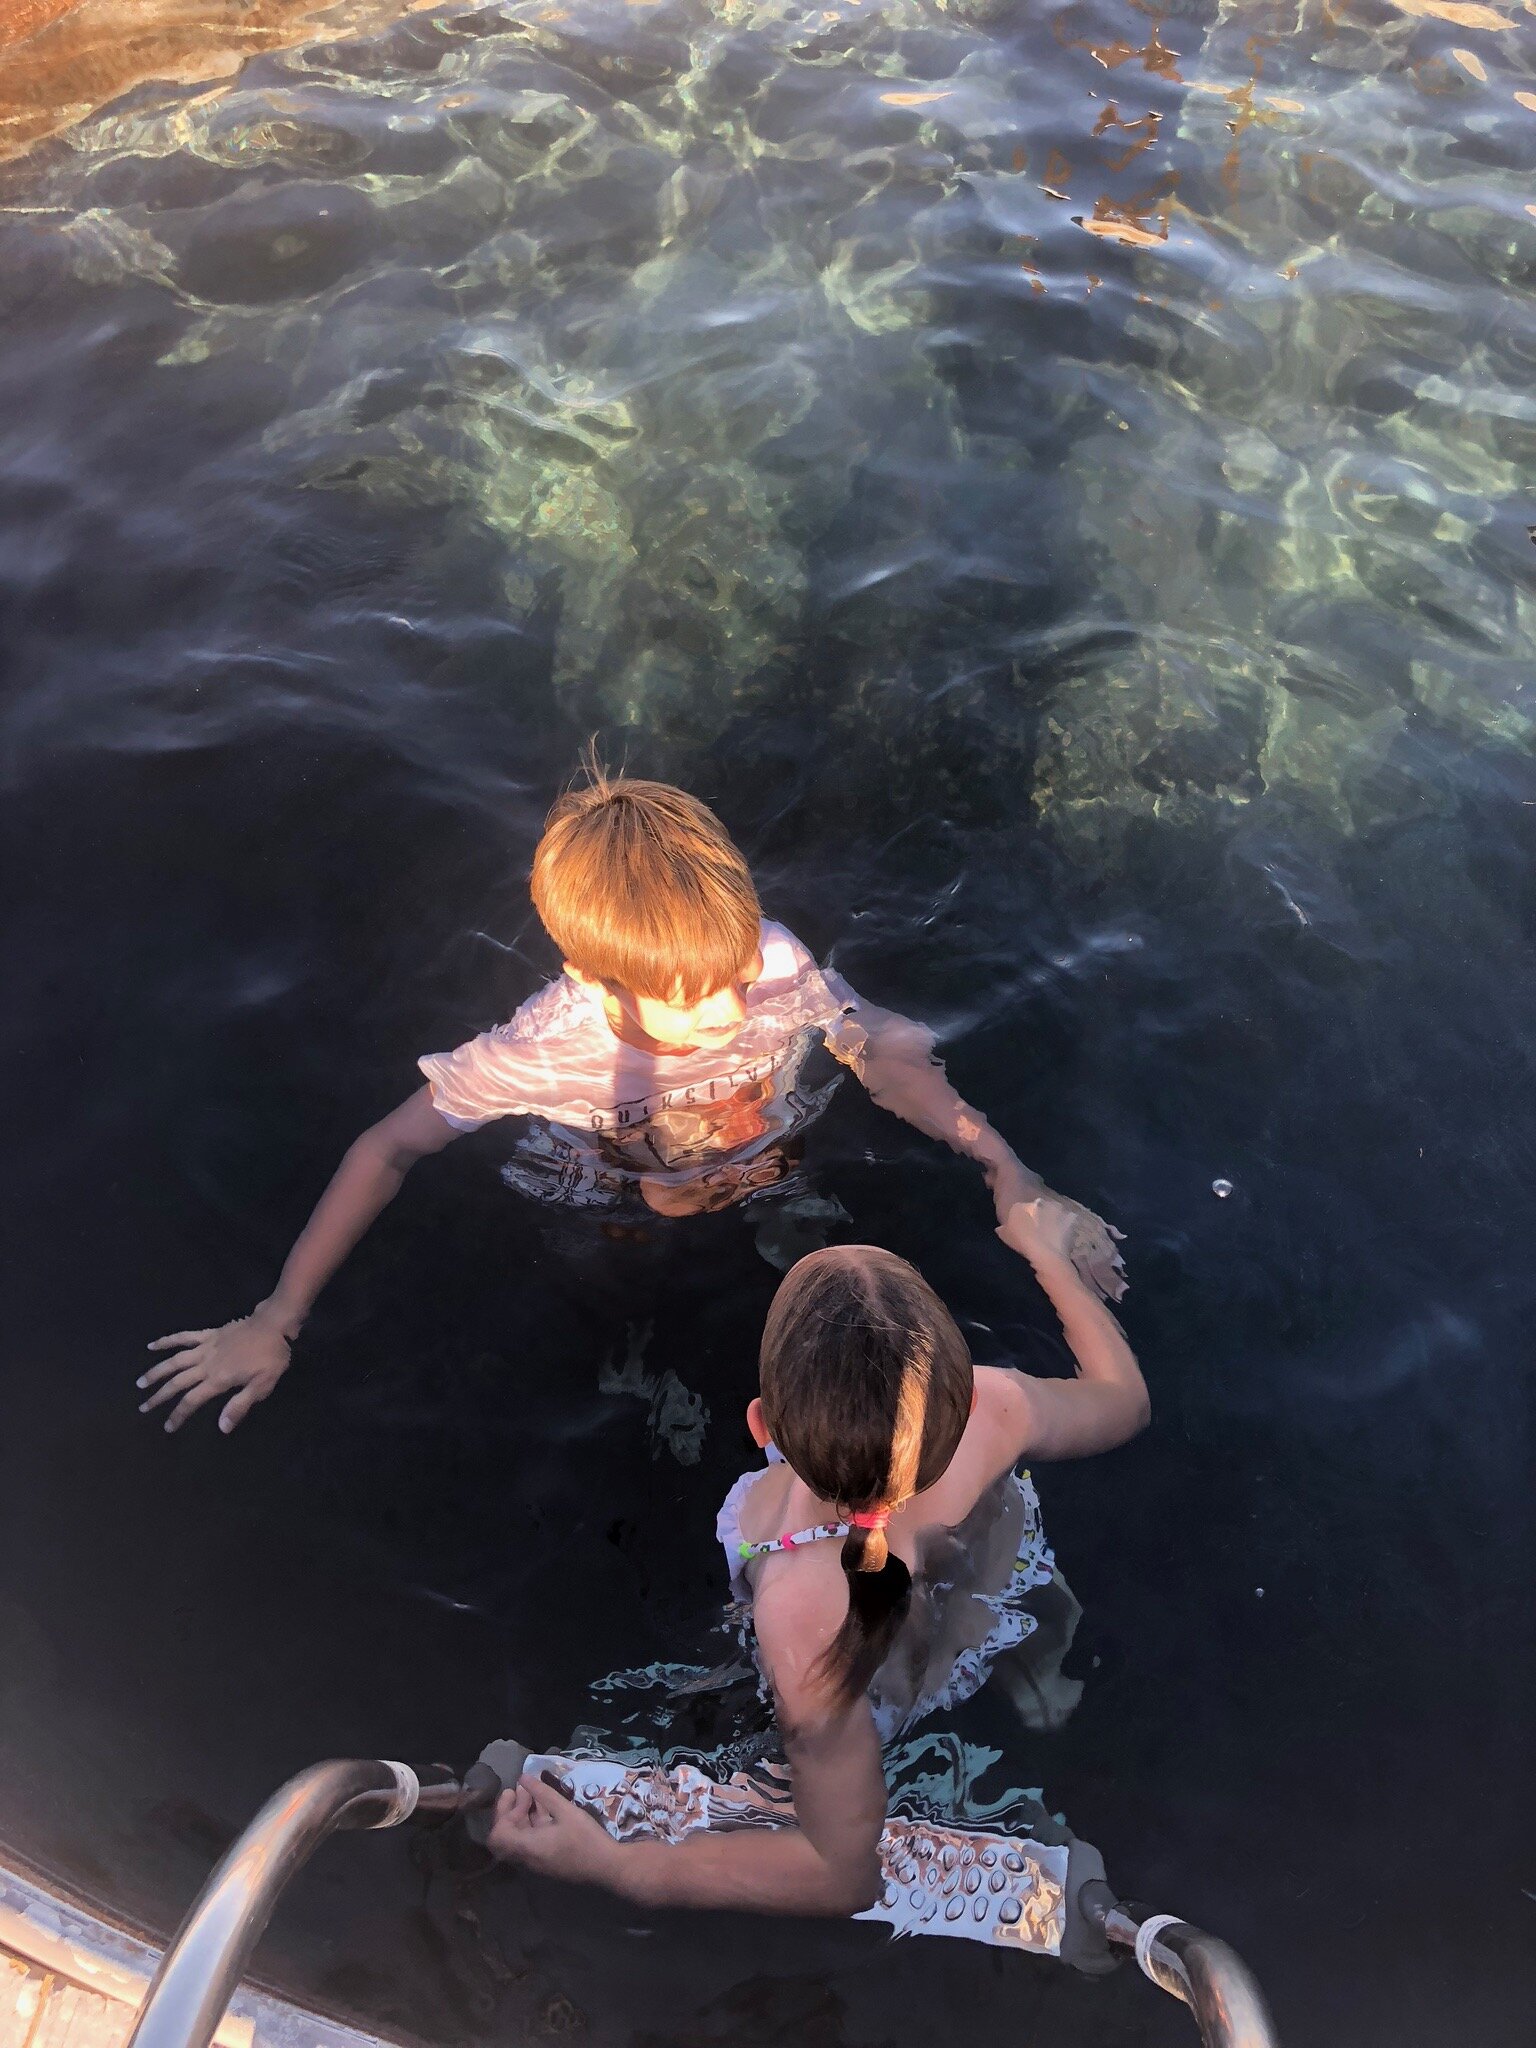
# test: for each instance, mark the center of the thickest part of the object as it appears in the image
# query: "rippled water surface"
(1061, 482)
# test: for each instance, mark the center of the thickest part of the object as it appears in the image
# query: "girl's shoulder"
(761, 1506)
(1000, 1392)
(998, 1433)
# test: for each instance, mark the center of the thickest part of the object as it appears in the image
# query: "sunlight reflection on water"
(735, 323)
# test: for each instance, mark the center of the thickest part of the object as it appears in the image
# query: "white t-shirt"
(605, 1114)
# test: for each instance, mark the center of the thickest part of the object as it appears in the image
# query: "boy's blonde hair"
(641, 887)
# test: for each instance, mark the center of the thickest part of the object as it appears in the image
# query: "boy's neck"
(628, 1032)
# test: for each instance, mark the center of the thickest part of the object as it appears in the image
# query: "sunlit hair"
(641, 887)
(866, 1389)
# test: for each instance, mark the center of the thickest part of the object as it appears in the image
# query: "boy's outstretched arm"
(245, 1359)
(896, 1060)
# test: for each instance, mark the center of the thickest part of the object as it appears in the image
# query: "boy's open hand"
(245, 1358)
(540, 1826)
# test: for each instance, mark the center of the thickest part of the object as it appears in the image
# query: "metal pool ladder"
(1199, 1968)
(198, 1973)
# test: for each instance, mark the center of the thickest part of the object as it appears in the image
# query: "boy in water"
(659, 1074)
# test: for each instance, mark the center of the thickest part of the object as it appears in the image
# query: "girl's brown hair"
(641, 887)
(866, 1389)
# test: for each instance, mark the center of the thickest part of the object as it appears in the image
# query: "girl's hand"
(1049, 1226)
(539, 1825)
(245, 1359)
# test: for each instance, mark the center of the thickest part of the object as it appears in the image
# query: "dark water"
(1059, 482)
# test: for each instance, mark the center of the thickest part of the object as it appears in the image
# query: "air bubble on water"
(1221, 1188)
(1258, 1592)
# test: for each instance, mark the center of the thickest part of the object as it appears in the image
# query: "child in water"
(659, 1074)
(887, 1557)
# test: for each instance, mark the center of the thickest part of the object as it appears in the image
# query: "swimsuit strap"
(792, 1541)
(824, 1530)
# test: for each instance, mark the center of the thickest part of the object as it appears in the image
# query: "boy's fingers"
(165, 1368)
(547, 1777)
(172, 1387)
(236, 1411)
(180, 1337)
(196, 1397)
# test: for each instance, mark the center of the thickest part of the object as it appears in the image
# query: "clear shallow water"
(1060, 483)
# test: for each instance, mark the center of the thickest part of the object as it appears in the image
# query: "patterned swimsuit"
(941, 1873)
(1034, 1565)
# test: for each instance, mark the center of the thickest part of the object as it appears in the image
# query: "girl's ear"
(974, 1397)
(761, 1435)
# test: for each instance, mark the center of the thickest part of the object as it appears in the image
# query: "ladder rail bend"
(203, 1964)
(1200, 1969)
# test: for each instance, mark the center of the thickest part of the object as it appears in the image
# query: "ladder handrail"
(202, 1966)
(1208, 1975)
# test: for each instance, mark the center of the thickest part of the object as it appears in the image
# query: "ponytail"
(879, 1594)
(869, 1383)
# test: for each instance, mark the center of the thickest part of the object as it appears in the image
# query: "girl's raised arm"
(1107, 1402)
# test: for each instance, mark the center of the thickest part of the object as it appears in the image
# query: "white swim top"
(605, 1113)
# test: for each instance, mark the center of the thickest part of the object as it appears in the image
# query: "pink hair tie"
(872, 1518)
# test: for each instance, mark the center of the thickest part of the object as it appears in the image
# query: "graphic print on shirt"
(729, 1130)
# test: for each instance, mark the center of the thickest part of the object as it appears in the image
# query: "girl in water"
(886, 1558)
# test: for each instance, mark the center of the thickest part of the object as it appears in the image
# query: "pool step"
(70, 1979)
